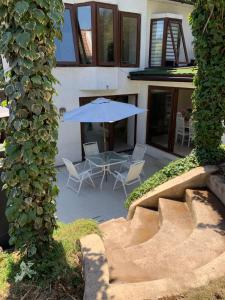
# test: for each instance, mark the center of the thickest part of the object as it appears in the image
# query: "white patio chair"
(180, 129)
(130, 176)
(191, 131)
(91, 148)
(137, 155)
(76, 175)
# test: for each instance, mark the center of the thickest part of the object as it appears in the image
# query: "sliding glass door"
(161, 123)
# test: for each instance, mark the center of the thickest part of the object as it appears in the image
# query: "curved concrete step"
(176, 226)
(206, 242)
(143, 226)
(97, 277)
(115, 232)
(120, 233)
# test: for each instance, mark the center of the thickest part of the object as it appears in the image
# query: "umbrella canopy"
(102, 110)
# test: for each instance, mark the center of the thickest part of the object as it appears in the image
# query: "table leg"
(103, 177)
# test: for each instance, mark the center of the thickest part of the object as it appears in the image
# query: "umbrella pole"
(104, 131)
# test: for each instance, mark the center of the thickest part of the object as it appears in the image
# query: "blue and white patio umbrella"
(103, 110)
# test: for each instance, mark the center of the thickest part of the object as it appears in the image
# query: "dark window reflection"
(85, 34)
(65, 51)
(129, 40)
(106, 36)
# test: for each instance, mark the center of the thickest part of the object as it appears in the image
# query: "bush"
(176, 168)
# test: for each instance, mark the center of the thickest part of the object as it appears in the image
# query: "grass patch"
(58, 273)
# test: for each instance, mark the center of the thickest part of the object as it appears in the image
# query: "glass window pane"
(84, 19)
(65, 51)
(156, 42)
(129, 40)
(106, 35)
(170, 54)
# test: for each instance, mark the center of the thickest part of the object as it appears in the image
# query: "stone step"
(206, 242)
(216, 183)
(120, 233)
(176, 227)
(113, 233)
(143, 226)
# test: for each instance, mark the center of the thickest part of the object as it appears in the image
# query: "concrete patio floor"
(94, 203)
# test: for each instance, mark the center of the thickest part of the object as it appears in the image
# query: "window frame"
(94, 33)
(74, 30)
(137, 16)
(167, 26)
(115, 35)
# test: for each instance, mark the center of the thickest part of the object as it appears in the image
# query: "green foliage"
(176, 168)
(59, 266)
(172, 170)
(208, 27)
(28, 29)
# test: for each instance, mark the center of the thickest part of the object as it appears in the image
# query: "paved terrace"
(94, 203)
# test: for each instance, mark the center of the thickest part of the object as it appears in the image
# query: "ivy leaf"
(9, 90)
(36, 108)
(21, 7)
(36, 79)
(39, 15)
(23, 39)
(40, 211)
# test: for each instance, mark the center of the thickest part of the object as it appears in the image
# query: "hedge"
(173, 169)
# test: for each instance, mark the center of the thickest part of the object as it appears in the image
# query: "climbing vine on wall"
(28, 30)
(208, 27)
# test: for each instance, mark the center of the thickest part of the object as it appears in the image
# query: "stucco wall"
(78, 82)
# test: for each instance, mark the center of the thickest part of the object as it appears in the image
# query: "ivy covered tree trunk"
(28, 30)
(208, 26)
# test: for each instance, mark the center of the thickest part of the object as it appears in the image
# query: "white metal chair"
(180, 129)
(191, 131)
(130, 176)
(91, 148)
(77, 176)
(137, 155)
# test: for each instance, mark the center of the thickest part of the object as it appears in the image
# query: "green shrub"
(176, 168)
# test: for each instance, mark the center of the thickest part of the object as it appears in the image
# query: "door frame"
(172, 125)
(84, 100)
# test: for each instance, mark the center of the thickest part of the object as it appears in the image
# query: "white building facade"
(102, 43)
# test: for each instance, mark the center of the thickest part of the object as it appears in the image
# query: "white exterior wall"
(78, 82)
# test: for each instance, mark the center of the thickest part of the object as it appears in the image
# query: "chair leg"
(92, 182)
(182, 139)
(115, 183)
(125, 191)
(78, 191)
(68, 180)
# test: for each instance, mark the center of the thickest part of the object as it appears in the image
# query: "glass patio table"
(105, 160)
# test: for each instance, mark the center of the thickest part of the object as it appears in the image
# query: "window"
(85, 34)
(167, 45)
(92, 36)
(106, 34)
(130, 39)
(65, 49)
